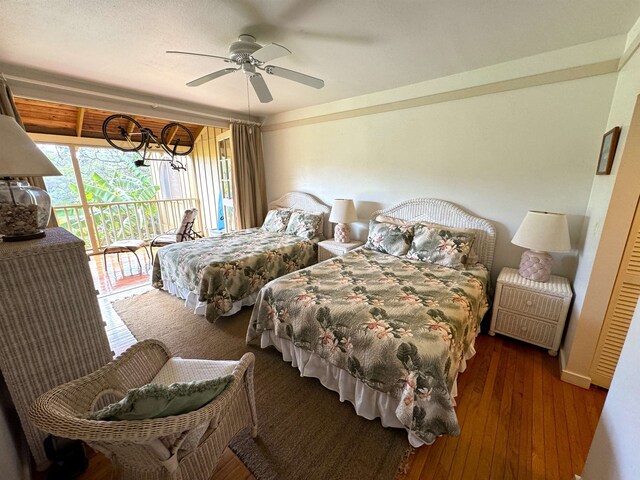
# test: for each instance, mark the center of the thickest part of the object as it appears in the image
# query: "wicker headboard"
(445, 213)
(306, 202)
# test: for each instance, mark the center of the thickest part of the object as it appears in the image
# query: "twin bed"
(217, 276)
(388, 333)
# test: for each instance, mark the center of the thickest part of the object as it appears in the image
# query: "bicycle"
(127, 135)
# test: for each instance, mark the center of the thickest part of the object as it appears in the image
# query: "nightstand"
(531, 311)
(330, 248)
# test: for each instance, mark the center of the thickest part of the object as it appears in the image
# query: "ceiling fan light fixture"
(241, 50)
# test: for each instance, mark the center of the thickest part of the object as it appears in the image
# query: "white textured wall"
(614, 450)
(588, 312)
(495, 155)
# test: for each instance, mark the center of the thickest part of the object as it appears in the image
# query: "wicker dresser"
(52, 330)
(531, 311)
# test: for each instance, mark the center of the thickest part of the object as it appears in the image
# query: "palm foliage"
(116, 222)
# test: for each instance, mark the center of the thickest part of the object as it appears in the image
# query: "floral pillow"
(388, 238)
(305, 225)
(472, 257)
(441, 245)
(276, 220)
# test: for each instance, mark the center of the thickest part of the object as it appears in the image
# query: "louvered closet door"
(620, 310)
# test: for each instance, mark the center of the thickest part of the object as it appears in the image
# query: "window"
(226, 181)
(102, 196)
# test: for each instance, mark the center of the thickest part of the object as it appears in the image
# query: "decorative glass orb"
(24, 211)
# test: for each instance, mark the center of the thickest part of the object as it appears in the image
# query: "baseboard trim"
(572, 377)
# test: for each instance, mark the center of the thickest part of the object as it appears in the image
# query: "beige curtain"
(249, 189)
(8, 107)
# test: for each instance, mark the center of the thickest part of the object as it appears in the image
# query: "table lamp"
(24, 209)
(343, 213)
(541, 232)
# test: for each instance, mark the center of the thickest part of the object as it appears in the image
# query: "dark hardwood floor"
(518, 419)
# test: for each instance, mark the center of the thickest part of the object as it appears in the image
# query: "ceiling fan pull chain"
(248, 102)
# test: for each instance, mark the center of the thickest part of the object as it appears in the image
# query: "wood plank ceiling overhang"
(58, 119)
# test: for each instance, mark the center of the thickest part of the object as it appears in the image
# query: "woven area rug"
(304, 431)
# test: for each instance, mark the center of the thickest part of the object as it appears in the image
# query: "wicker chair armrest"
(146, 358)
(48, 415)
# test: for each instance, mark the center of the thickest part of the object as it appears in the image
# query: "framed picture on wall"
(608, 151)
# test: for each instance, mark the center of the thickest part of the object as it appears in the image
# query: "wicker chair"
(149, 449)
(183, 233)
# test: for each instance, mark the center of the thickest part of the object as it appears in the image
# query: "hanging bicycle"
(126, 134)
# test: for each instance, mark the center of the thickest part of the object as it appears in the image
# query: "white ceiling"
(356, 46)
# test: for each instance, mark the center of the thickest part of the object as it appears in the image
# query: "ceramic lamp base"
(536, 266)
(342, 233)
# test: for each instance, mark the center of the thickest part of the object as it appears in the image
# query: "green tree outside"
(109, 176)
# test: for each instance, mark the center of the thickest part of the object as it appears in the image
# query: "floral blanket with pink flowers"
(401, 326)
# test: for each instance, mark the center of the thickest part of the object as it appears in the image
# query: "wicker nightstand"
(330, 248)
(531, 311)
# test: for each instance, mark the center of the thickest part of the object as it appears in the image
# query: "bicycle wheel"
(123, 132)
(177, 139)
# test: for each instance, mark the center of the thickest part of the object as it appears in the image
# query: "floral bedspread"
(229, 267)
(401, 326)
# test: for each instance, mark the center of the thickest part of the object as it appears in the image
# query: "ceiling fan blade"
(199, 54)
(295, 76)
(270, 52)
(211, 76)
(259, 85)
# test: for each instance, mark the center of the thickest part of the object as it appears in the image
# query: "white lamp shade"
(543, 232)
(343, 211)
(19, 156)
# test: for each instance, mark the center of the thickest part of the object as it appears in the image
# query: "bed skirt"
(200, 308)
(368, 403)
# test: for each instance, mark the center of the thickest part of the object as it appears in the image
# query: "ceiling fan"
(250, 56)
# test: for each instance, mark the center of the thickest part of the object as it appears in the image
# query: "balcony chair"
(183, 233)
(125, 246)
(181, 447)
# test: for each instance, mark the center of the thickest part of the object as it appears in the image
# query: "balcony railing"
(100, 224)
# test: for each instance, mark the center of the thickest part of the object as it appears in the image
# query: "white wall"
(495, 155)
(614, 450)
(593, 286)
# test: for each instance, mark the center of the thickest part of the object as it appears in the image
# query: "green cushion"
(158, 401)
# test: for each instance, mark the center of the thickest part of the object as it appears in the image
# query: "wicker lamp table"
(531, 311)
(330, 248)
